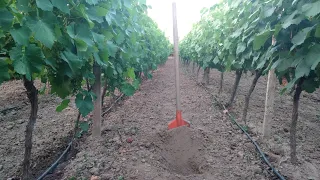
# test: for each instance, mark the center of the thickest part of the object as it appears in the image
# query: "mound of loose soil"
(182, 150)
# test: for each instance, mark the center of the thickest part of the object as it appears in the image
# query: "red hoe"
(178, 121)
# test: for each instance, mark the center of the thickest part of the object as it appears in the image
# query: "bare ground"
(51, 133)
(137, 145)
(308, 134)
(211, 149)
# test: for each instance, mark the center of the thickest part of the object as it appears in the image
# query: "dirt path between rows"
(211, 149)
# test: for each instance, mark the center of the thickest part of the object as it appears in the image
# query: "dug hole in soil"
(136, 144)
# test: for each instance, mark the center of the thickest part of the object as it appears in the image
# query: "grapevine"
(59, 42)
(258, 36)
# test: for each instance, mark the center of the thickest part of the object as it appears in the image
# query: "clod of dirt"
(129, 140)
(182, 150)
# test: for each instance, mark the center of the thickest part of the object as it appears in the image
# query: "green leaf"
(4, 71)
(73, 60)
(81, 32)
(311, 9)
(260, 39)
(6, 19)
(84, 104)
(60, 85)
(92, 2)
(317, 33)
(309, 85)
(277, 29)
(241, 47)
(136, 84)
(42, 32)
(300, 37)
(112, 48)
(62, 5)
(22, 5)
(51, 62)
(45, 5)
(98, 60)
(27, 61)
(313, 57)
(127, 3)
(268, 12)
(64, 104)
(84, 126)
(304, 66)
(100, 11)
(81, 45)
(237, 33)
(103, 53)
(120, 38)
(99, 38)
(289, 20)
(130, 73)
(21, 35)
(4, 3)
(82, 9)
(127, 89)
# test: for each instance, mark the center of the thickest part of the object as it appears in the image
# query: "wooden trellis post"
(269, 104)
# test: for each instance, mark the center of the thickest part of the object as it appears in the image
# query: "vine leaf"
(289, 20)
(45, 5)
(5, 19)
(300, 37)
(22, 5)
(62, 5)
(241, 47)
(92, 2)
(84, 103)
(313, 57)
(127, 89)
(311, 9)
(73, 60)
(317, 33)
(60, 86)
(42, 32)
(309, 85)
(268, 12)
(130, 73)
(81, 33)
(21, 35)
(260, 39)
(99, 61)
(27, 60)
(112, 48)
(127, 3)
(302, 69)
(64, 104)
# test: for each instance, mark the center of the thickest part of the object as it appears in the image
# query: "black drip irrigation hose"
(56, 163)
(248, 135)
(256, 145)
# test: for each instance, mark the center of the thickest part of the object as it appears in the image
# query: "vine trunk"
(221, 83)
(247, 98)
(293, 128)
(32, 94)
(206, 76)
(235, 87)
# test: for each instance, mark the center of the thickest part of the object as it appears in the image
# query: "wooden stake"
(269, 104)
(96, 129)
(176, 54)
